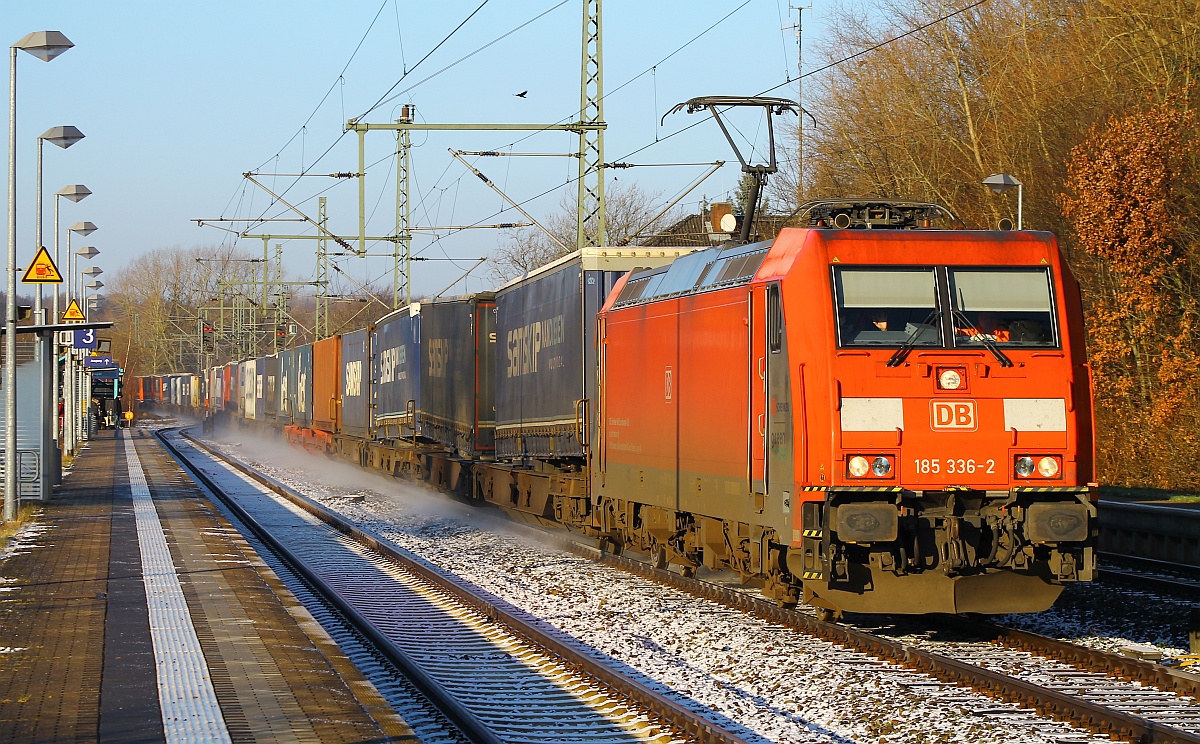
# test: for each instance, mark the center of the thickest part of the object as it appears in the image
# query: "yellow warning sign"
(73, 314)
(42, 270)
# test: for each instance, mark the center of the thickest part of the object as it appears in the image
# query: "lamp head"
(1000, 182)
(45, 45)
(63, 137)
(88, 252)
(83, 228)
(94, 284)
(94, 271)
(75, 192)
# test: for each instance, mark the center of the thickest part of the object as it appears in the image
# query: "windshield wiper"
(987, 340)
(910, 340)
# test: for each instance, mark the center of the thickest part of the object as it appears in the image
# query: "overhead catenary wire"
(407, 72)
(651, 69)
(385, 98)
(460, 60)
(339, 80)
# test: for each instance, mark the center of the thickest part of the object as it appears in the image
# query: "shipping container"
(197, 394)
(247, 379)
(356, 384)
(458, 352)
(260, 390)
(396, 374)
(229, 388)
(303, 399)
(546, 365)
(270, 401)
(326, 383)
(287, 386)
(215, 397)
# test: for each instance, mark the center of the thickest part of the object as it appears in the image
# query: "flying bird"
(522, 94)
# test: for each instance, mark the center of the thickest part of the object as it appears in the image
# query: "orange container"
(326, 386)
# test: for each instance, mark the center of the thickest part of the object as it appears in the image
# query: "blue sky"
(179, 99)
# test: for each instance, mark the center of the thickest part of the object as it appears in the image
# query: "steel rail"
(461, 716)
(1104, 662)
(1049, 702)
(1138, 580)
(666, 709)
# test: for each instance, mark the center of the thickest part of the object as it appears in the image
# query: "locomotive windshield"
(887, 307)
(944, 307)
(1007, 307)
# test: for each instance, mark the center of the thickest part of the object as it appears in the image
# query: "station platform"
(133, 611)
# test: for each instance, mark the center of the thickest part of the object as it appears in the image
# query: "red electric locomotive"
(868, 419)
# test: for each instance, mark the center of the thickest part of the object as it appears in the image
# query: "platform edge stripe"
(190, 710)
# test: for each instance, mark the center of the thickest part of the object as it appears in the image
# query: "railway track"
(497, 675)
(1146, 573)
(1107, 693)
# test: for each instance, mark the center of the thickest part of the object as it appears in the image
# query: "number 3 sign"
(84, 339)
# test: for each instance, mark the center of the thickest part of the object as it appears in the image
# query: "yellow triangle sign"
(42, 270)
(73, 314)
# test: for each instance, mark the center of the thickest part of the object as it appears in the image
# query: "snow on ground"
(1108, 617)
(782, 684)
(23, 542)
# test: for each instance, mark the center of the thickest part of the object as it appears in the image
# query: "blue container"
(546, 360)
(458, 352)
(270, 373)
(356, 384)
(304, 382)
(396, 374)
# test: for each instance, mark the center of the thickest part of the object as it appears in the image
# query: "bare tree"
(629, 217)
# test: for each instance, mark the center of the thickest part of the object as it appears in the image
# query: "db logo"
(955, 415)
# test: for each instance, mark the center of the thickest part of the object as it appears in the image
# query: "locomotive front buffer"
(945, 550)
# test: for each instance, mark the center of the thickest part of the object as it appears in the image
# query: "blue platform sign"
(98, 361)
(84, 339)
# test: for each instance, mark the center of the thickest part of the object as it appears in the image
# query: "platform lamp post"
(76, 192)
(45, 45)
(1001, 182)
(71, 397)
(63, 137)
(86, 376)
(93, 285)
(83, 228)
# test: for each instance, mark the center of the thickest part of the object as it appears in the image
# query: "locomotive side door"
(757, 393)
(779, 454)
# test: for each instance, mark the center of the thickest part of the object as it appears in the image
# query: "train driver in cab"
(988, 327)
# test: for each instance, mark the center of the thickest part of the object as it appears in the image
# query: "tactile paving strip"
(276, 680)
(190, 711)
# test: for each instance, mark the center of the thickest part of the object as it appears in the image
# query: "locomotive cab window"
(1003, 306)
(774, 319)
(887, 307)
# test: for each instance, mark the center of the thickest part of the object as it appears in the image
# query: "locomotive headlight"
(881, 466)
(1024, 466)
(949, 379)
(1047, 467)
(858, 466)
